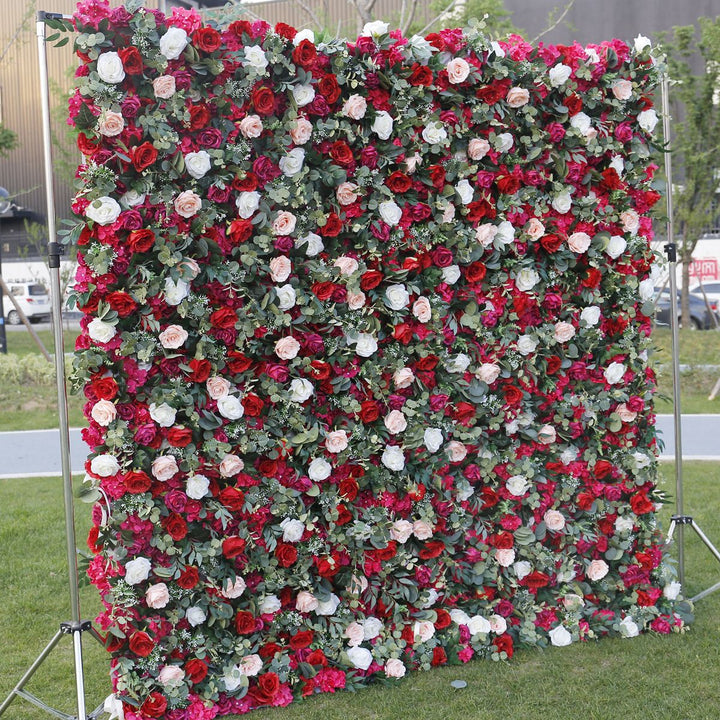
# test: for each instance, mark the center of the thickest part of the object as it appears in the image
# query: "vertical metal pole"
(671, 250)
(3, 337)
(56, 298)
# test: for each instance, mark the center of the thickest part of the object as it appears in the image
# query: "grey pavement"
(36, 453)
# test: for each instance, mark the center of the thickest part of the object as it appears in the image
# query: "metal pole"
(671, 250)
(3, 336)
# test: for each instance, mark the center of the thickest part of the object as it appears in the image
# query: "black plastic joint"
(70, 628)
(42, 16)
(682, 519)
(671, 251)
(55, 250)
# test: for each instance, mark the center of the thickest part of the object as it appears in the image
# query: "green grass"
(20, 342)
(659, 678)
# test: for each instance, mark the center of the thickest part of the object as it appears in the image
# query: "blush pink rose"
(347, 193)
(564, 331)
(485, 233)
(624, 413)
(554, 520)
(355, 107)
(488, 372)
(395, 422)
(456, 451)
(534, 229)
(217, 387)
(171, 675)
(346, 265)
(301, 131)
(622, 89)
(111, 124)
(421, 310)
(164, 86)
(280, 268)
(597, 570)
(173, 337)
(579, 242)
(187, 204)
(157, 596)
(458, 70)
(403, 378)
(284, 223)
(164, 467)
(336, 441)
(103, 412)
(231, 465)
(517, 97)
(287, 348)
(356, 300)
(251, 126)
(478, 148)
(547, 435)
(422, 530)
(394, 668)
(306, 602)
(401, 531)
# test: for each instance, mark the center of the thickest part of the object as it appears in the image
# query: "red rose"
(240, 231)
(592, 278)
(344, 515)
(574, 104)
(155, 705)
(302, 639)
(443, 619)
(329, 88)
(513, 395)
(475, 273)
(504, 643)
(285, 30)
(237, 362)
(305, 55)
(536, 579)
(232, 498)
(141, 241)
(403, 333)
(490, 94)
(442, 257)
(131, 60)
(439, 657)
(370, 279)
(369, 411)
(421, 75)
(175, 526)
(269, 650)
(263, 100)
(398, 182)
(233, 546)
(503, 540)
(223, 318)
(253, 405)
(508, 184)
(432, 549)
(332, 226)
(200, 117)
(317, 657)
(268, 686)
(141, 643)
(199, 370)
(136, 481)
(437, 176)
(320, 370)
(179, 436)
(481, 209)
(244, 622)
(286, 554)
(196, 670)
(585, 501)
(341, 153)
(189, 577)
(86, 145)
(602, 469)
(554, 363)
(641, 503)
(143, 156)
(551, 242)
(207, 39)
(267, 467)
(348, 489)
(326, 566)
(464, 412)
(323, 290)
(121, 303)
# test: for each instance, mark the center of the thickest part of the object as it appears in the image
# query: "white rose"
(497, 49)
(592, 55)
(597, 570)
(301, 390)
(488, 373)
(132, 198)
(247, 203)
(434, 133)
(313, 242)
(397, 297)
(614, 373)
(451, 274)
(517, 485)
(554, 520)
(301, 35)
(110, 68)
(137, 570)
(197, 486)
(176, 291)
(383, 125)
(197, 163)
(559, 74)
(618, 164)
(642, 42)
(581, 122)
(365, 345)
(329, 606)
(559, 636)
(336, 441)
(616, 246)
(526, 279)
(479, 624)
(562, 202)
(504, 142)
(460, 617)
(623, 524)
(173, 42)
(303, 94)
(498, 624)
(163, 414)
(590, 315)
(505, 557)
(270, 604)
(393, 458)
(457, 70)
(647, 120)
(395, 422)
(374, 30)
(255, 58)
(433, 439)
(629, 628)
(104, 211)
(292, 530)
(113, 706)
(390, 212)
(286, 296)
(423, 630)
(319, 470)
(526, 344)
(401, 531)
(292, 163)
(505, 233)
(465, 190)
(360, 657)
(100, 331)
(230, 407)
(672, 590)
(233, 589)
(233, 678)
(522, 568)
(457, 363)
(105, 465)
(355, 633)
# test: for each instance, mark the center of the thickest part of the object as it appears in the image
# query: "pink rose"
(111, 124)
(157, 596)
(597, 570)
(306, 602)
(232, 590)
(517, 97)
(534, 229)
(164, 467)
(354, 633)
(564, 331)
(488, 373)
(187, 204)
(336, 441)
(280, 268)
(624, 413)
(547, 435)
(217, 387)
(394, 668)
(478, 148)
(189, 268)
(422, 530)
(505, 556)
(231, 465)
(356, 300)
(103, 412)
(458, 70)
(630, 221)
(251, 665)
(173, 337)
(287, 348)
(251, 126)
(346, 265)
(355, 107)
(403, 378)
(423, 630)
(284, 223)
(421, 310)
(579, 242)
(171, 675)
(485, 233)
(395, 422)
(300, 132)
(401, 531)
(554, 520)
(622, 89)
(456, 451)
(346, 193)
(164, 87)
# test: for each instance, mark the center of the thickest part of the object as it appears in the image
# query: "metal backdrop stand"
(74, 627)
(679, 520)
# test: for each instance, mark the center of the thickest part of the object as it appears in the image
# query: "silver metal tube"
(79, 675)
(677, 409)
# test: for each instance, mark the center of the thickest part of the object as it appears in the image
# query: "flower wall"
(364, 350)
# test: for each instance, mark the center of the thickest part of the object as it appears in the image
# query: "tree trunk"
(364, 11)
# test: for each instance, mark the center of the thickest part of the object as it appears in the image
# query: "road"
(36, 453)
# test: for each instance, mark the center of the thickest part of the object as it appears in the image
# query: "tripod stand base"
(74, 629)
(682, 520)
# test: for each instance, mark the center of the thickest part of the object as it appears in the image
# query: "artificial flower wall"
(364, 350)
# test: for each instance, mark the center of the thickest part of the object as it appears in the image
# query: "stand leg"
(706, 540)
(671, 532)
(79, 675)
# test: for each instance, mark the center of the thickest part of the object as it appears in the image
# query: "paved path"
(36, 453)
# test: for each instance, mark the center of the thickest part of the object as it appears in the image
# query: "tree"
(693, 60)
(8, 141)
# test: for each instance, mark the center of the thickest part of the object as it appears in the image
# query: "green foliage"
(8, 141)
(498, 23)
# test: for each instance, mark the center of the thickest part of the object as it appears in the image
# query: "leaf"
(85, 119)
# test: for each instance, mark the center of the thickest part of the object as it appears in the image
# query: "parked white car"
(712, 292)
(33, 300)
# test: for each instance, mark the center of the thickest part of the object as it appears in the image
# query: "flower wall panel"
(365, 353)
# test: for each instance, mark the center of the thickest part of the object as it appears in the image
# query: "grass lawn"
(658, 678)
